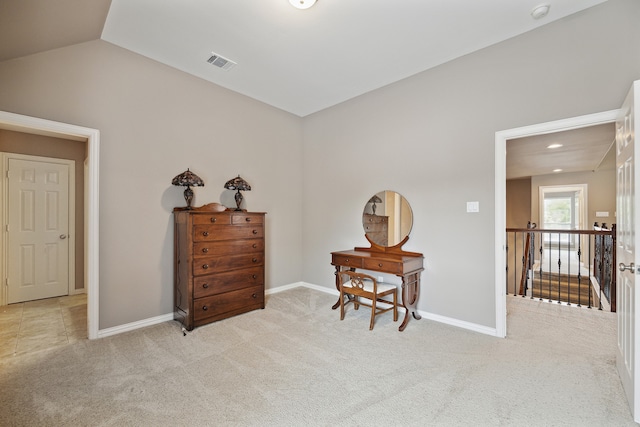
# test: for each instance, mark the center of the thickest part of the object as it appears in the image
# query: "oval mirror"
(387, 218)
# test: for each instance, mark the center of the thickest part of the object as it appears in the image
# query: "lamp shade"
(237, 183)
(188, 179)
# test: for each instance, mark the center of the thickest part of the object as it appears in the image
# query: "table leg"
(410, 292)
(337, 274)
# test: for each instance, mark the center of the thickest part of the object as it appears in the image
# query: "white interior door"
(627, 256)
(38, 228)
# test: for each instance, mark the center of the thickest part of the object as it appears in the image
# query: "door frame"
(34, 125)
(71, 286)
(501, 139)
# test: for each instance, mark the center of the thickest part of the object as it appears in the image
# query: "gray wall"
(155, 122)
(431, 138)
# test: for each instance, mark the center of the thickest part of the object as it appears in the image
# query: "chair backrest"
(356, 282)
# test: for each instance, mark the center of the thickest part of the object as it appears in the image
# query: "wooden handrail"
(549, 230)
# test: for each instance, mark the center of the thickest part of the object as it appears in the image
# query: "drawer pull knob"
(205, 250)
(213, 219)
(254, 276)
(379, 264)
(255, 260)
(247, 219)
(346, 260)
(205, 266)
(254, 296)
(255, 231)
(205, 308)
(254, 246)
(205, 233)
(205, 285)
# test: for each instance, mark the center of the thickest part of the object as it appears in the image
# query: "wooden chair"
(355, 285)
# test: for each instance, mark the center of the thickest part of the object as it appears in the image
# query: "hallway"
(33, 326)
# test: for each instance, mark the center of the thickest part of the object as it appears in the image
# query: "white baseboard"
(167, 317)
(102, 333)
(431, 316)
(460, 323)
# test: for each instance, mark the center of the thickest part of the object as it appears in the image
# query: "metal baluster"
(579, 270)
(515, 264)
(541, 258)
(550, 268)
(590, 267)
(569, 237)
(559, 264)
(506, 268)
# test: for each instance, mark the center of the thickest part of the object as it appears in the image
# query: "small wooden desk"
(406, 265)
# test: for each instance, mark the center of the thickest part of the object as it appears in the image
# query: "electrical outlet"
(380, 279)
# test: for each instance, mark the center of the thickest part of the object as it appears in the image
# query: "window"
(563, 207)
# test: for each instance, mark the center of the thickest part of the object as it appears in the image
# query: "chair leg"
(373, 312)
(341, 305)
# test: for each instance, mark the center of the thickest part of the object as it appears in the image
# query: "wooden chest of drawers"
(218, 265)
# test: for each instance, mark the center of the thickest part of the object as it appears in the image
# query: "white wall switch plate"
(473, 206)
(600, 214)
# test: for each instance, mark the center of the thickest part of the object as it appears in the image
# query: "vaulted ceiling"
(300, 61)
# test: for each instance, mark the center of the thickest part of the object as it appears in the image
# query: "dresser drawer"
(238, 301)
(394, 267)
(211, 265)
(346, 261)
(247, 218)
(204, 286)
(211, 218)
(217, 248)
(227, 232)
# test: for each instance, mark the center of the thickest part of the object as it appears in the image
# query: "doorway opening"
(33, 125)
(501, 139)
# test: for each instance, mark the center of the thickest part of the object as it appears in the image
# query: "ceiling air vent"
(220, 61)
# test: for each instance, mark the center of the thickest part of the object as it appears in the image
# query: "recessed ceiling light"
(302, 4)
(540, 11)
(557, 170)
(554, 146)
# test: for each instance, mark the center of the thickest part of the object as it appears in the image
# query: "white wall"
(431, 138)
(155, 122)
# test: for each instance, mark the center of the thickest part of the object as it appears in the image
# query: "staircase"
(562, 287)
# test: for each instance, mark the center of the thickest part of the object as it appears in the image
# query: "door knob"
(63, 236)
(631, 267)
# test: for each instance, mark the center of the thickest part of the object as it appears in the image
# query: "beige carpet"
(295, 364)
